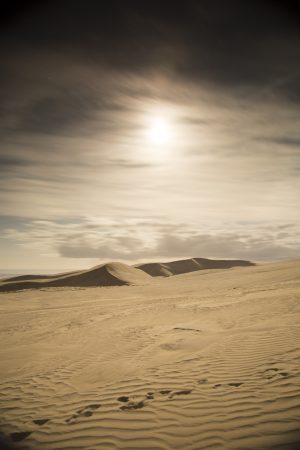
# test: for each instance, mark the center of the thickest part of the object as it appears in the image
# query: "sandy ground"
(204, 360)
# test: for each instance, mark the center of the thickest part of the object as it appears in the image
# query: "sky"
(148, 131)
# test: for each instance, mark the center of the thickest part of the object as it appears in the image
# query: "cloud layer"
(132, 240)
(79, 88)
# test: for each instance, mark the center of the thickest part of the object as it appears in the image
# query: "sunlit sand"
(207, 359)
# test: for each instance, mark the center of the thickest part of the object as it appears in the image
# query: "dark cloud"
(36, 101)
(283, 140)
(125, 164)
(80, 82)
(252, 48)
(53, 114)
(7, 161)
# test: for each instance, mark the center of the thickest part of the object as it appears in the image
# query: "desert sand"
(207, 359)
(110, 274)
(117, 274)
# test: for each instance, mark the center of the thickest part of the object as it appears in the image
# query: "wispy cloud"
(137, 240)
(76, 105)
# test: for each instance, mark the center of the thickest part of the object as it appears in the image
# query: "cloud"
(228, 245)
(133, 240)
(58, 73)
(288, 141)
(77, 96)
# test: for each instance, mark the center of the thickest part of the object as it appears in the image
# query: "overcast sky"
(82, 179)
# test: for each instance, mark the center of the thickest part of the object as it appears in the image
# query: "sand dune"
(189, 265)
(112, 274)
(115, 274)
(37, 277)
(204, 360)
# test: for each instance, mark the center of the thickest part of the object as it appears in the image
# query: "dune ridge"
(111, 274)
(30, 277)
(116, 274)
(167, 269)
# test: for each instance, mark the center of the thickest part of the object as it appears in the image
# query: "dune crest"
(168, 269)
(111, 274)
(116, 274)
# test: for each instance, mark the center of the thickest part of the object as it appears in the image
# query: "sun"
(159, 131)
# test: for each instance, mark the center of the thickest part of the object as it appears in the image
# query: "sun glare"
(159, 131)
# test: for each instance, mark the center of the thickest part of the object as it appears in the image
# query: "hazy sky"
(148, 130)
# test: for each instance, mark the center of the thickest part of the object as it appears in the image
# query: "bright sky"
(135, 160)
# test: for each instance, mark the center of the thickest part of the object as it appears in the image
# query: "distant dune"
(190, 265)
(116, 274)
(37, 277)
(112, 274)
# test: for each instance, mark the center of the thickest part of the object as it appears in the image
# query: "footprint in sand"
(182, 392)
(227, 384)
(165, 391)
(123, 399)
(274, 372)
(40, 422)
(188, 329)
(171, 394)
(20, 435)
(133, 405)
(87, 411)
(150, 396)
(130, 405)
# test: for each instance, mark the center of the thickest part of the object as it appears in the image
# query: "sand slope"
(204, 360)
(190, 265)
(111, 274)
(37, 277)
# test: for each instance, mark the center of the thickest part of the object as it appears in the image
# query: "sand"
(170, 268)
(203, 360)
(116, 274)
(110, 274)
